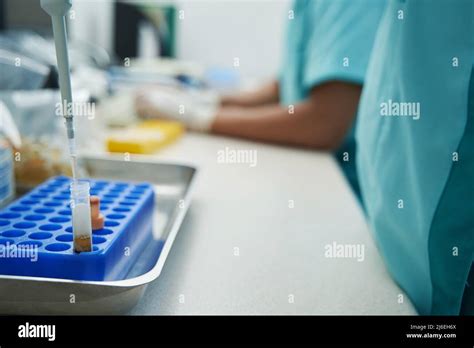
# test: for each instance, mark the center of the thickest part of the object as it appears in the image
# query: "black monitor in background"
(2, 15)
(127, 19)
(130, 17)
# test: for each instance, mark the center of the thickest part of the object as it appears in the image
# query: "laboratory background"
(236, 157)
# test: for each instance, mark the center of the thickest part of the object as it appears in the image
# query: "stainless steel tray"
(42, 296)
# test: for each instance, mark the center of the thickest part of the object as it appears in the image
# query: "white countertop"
(280, 265)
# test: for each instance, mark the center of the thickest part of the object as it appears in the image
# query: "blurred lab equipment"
(9, 137)
(21, 72)
(43, 153)
(145, 138)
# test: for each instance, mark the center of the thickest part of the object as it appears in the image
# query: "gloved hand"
(196, 109)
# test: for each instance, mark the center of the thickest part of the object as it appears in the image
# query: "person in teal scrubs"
(415, 157)
(314, 100)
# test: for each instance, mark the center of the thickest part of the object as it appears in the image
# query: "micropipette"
(81, 217)
(58, 9)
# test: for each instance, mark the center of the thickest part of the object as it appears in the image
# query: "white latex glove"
(196, 109)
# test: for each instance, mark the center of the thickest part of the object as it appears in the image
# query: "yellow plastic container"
(145, 138)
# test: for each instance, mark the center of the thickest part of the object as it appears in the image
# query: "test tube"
(81, 216)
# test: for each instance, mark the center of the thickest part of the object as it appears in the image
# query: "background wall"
(212, 32)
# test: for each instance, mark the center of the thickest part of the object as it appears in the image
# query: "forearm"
(267, 94)
(273, 124)
(321, 121)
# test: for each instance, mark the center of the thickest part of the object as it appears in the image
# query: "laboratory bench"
(255, 238)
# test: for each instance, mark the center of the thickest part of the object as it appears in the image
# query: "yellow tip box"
(145, 138)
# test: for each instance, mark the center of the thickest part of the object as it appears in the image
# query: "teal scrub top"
(415, 159)
(328, 40)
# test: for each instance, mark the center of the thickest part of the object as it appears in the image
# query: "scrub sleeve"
(329, 40)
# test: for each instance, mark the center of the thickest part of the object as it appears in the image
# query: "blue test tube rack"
(36, 236)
